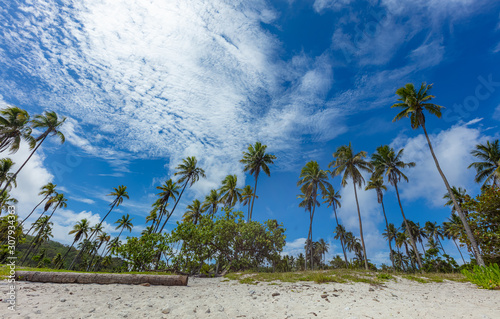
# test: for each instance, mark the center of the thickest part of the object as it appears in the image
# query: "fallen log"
(89, 278)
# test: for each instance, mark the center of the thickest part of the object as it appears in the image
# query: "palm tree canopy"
(414, 103)
(312, 179)
(345, 161)
(51, 123)
(120, 192)
(80, 229)
(376, 182)
(5, 166)
(168, 190)
(193, 213)
(230, 194)
(124, 222)
(256, 159)
(211, 201)
(47, 189)
(188, 171)
(488, 168)
(386, 160)
(13, 128)
(247, 194)
(332, 197)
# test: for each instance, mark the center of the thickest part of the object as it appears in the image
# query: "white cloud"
(452, 148)
(320, 5)
(497, 48)
(496, 113)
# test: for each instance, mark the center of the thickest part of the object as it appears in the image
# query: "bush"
(484, 277)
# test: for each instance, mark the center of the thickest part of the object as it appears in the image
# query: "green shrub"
(485, 277)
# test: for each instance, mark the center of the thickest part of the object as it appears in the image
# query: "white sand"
(214, 298)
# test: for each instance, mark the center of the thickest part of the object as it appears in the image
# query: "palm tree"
(44, 233)
(386, 161)
(5, 201)
(488, 170)
(119, 193)
(460, 196)
(312, 179)
(14, 128)
(193, 212)
(323, 248)
(5, 166)
(246, 196)
(80, 229)
(190, 174)
(211, 202)
(50, 122)
(452, 229)
(340, 233)
(125, 222)
(46, 191)
(230, 194)
(168, 190)
(256, 160)
(101, 239)
(350, 164)
(377, 183)
(307, 203)
(433, 230)
(413, 104)
(332, 197)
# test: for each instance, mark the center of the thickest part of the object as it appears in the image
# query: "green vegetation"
(485, 277)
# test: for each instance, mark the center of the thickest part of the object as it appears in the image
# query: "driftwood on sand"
(89, 278)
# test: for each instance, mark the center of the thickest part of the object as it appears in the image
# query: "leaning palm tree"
(193, 213)
(125, 222)
(256, 160)
(452, 229)
(119, 193)
(80, 229)
(386, 161)
(433, 230)
(376, 182)
(414, 104)
(168, 190)
(230, 194)
(5, 175)
(312, 180)
(350, 164)
(14, 128)
(488, 169)
(211, 202)
(50, 122)
(332, 197)
(190, 174)
(246, 196)
(47, 191)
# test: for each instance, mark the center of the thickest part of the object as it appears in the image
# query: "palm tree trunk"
(423, 248)
(412, 240)
(90, 237)
(311, 241)
(33, 225)
(176, 202)
(253, 199)
(360, 226)
(67, 252)
(458, 209)
(441, 244)
(32, 211)
(458, 248)
(308, 241)
(388, 237)
(20, 168)
(40, 232)
(341, 239)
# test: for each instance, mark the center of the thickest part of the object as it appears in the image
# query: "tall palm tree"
(120, 193)
(211, 202)
(340, 233)
(386, 161)
(246, 197)
(312, 180)
(50, 122)
(168, 190)
(102, 238)
(80, 229)
(414, 104)
(193, 213)
(349, 164)
(433, 230)
(332, 197)
(452, 229)
(46, 191)
(307, 203)
(323, 248)
(125, 222)
(255, 160)
(230, 194)
(5, 175)
(189, 174)
(377, 183)
(488, 169)
(14, 128)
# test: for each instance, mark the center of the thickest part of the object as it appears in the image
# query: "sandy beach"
(220, 298)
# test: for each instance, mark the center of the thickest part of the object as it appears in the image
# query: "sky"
(147, 83)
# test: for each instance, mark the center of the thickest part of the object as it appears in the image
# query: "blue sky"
(145, 84)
